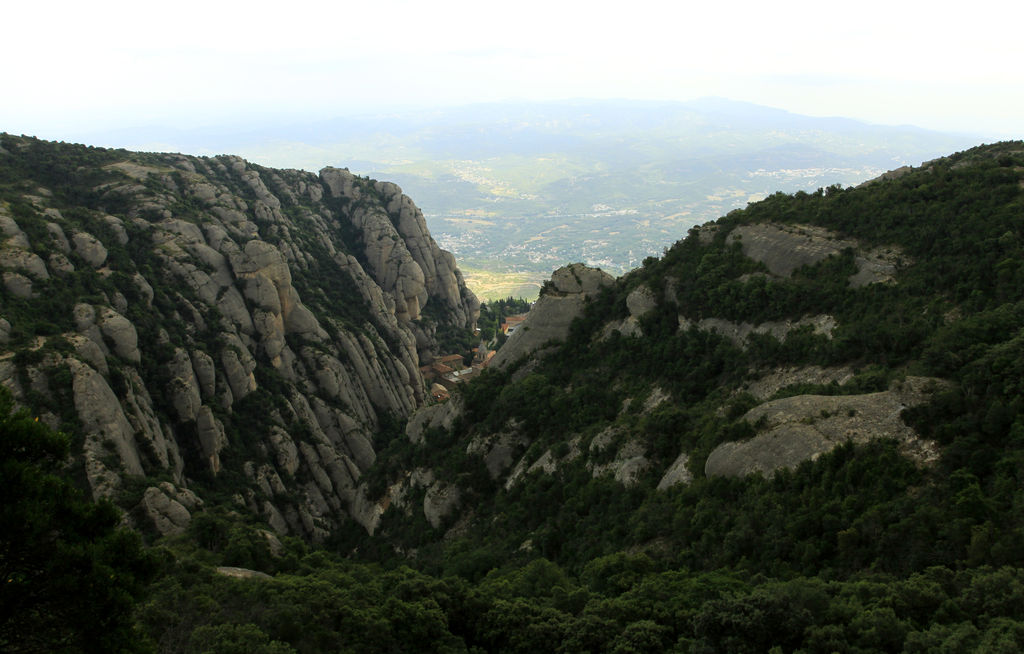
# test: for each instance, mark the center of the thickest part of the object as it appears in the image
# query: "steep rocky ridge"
(743, 351)
(213, 340)
(208, 324)
(561, 302)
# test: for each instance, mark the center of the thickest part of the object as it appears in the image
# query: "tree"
(69, 576)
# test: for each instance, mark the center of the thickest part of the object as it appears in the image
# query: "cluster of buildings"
(511, 324)
(447, 371)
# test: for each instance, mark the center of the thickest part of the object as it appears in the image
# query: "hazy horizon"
(312, 144)
(102, 66)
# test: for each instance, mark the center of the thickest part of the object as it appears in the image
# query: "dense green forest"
(858, 550)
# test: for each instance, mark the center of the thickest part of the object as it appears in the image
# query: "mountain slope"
(798, 430)
(803, 325)
(205, 325)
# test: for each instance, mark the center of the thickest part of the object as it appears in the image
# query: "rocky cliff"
(745, 350)
(547, 323)
(205, 325)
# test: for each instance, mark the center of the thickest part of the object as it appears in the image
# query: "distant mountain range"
(516, 189)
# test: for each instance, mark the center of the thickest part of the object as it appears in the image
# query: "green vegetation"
(858, 550)
(618, 603)
(862, 525)
(493, 314)
(69, 574)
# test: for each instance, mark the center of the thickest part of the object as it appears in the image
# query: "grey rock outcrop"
(21, 260)
(89, 248)
(548, 463)
(167, 515)
(240, 573)
(784, 248)
(122, 334)
(498, 450)
(18, 285)
(739, 333)
(106, 428)
(211, 435)
(183, 386)
(774, 381)
(641, 300)
(229, 301)
(436, 416)
(550, 317)
(402, 257)
(806, 426)
(629, 464)
(441, 500)
(12, 234)
(677, 474)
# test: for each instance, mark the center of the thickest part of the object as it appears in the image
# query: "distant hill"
(525, 187)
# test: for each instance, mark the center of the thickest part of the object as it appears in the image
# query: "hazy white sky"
(72, 67)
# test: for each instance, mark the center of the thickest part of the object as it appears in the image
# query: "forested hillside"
(798, 430)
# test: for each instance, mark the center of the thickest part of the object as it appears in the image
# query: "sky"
(72, 68)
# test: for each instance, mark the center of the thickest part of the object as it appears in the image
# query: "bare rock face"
(238, 365)
(498, 450)
(677, 474)
(205, 373)
(640, 301)
(21, 260)
(630, 461)
(12, 234)
(739, 333)
(89, 248)
(211, 437)
(807, 426)
(59, 264)
(110, 449)
(629, 326)
(441, 500)
(18, 285)
(89, 352)
(168, 516)
(168, 508)
(122, 334)
(217, 287)
(769, 384)
(285, 449)
(784, 248)
(402, 257)
(548, 463)
(550, 317)
(240, 573)
(58, 238)
(183, 387)
(441, 416)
